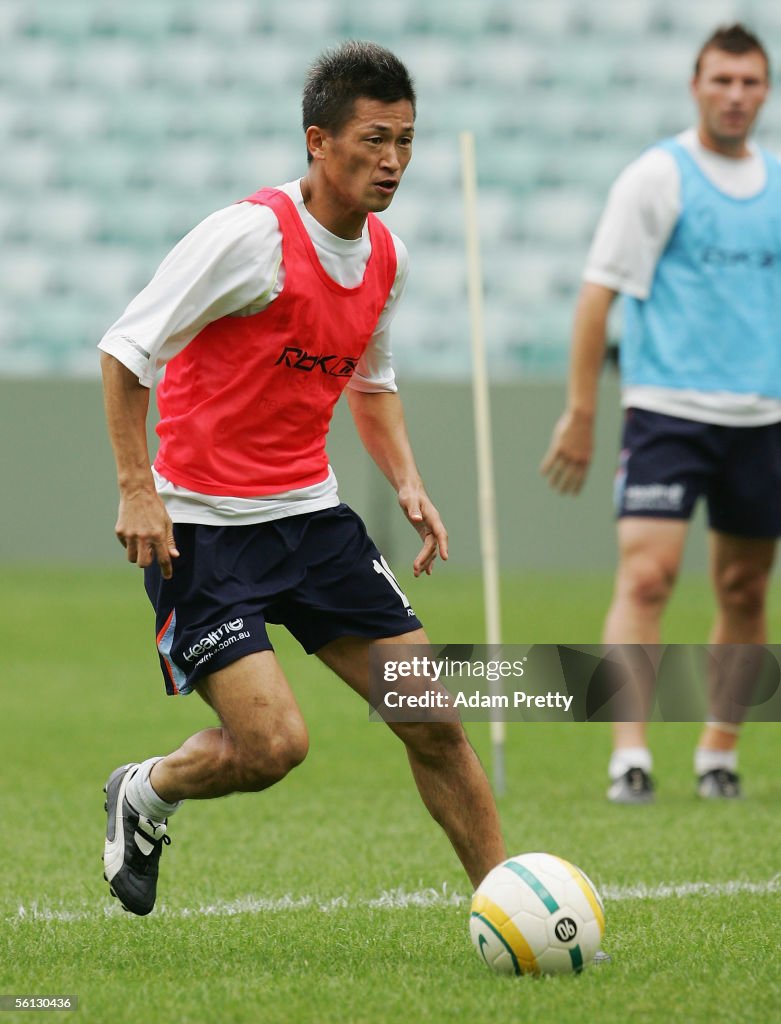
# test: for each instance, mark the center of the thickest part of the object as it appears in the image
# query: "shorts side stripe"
(175, 678)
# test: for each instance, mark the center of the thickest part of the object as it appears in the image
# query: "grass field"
(332, 897)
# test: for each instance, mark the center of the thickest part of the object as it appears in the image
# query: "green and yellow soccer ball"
(537, 914)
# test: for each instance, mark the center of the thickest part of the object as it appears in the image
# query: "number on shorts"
(384, 569)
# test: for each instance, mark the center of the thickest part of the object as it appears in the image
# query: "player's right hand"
(568, 456)
(145, 530)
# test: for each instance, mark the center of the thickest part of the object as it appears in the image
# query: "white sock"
(710, 760)
(625, 758)
(143, 797)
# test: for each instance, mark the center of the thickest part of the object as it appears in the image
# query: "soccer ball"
(536, 914)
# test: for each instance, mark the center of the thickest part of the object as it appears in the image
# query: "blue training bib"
(712, 321)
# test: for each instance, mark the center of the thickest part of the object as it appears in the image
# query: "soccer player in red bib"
(262, 315)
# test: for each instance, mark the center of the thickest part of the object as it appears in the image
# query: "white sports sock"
(143, 797)
(710, 760)
(730, 727)
(625, 758)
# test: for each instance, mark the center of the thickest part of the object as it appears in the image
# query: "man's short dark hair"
(736, 39)
(351, 71)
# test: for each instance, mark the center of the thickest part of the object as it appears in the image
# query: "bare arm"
(143, 525)
(379, 419)
(569, 454)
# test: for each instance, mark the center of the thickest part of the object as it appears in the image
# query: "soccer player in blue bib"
(691, 239)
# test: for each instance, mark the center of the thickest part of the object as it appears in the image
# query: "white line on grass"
(389, 899)
(666, 891)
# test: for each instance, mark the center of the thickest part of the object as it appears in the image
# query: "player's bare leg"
(740, 573)
(261, 736)
(447, 771)
(649, 556)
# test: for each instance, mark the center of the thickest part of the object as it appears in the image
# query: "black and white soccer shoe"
(719, 784)
(633, 787)
(133, 846)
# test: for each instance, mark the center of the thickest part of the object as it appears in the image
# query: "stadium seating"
(124, 124)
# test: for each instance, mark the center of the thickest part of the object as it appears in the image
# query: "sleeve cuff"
(133, 358)
(371, 387)
(616, 283)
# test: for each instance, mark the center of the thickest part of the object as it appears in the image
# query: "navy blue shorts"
(318, 574)
(667, 463)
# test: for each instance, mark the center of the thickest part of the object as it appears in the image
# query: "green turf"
(81, 694)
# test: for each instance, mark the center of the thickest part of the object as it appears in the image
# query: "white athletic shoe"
(133, 846)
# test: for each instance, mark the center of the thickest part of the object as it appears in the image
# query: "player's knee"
(268, 759)
(741, 589)
(646, 581)
(434, 741)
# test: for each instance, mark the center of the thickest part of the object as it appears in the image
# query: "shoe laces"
(149, 839)
(154, 831)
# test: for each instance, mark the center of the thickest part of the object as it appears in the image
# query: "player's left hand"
(417, 507)
(569, 454)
